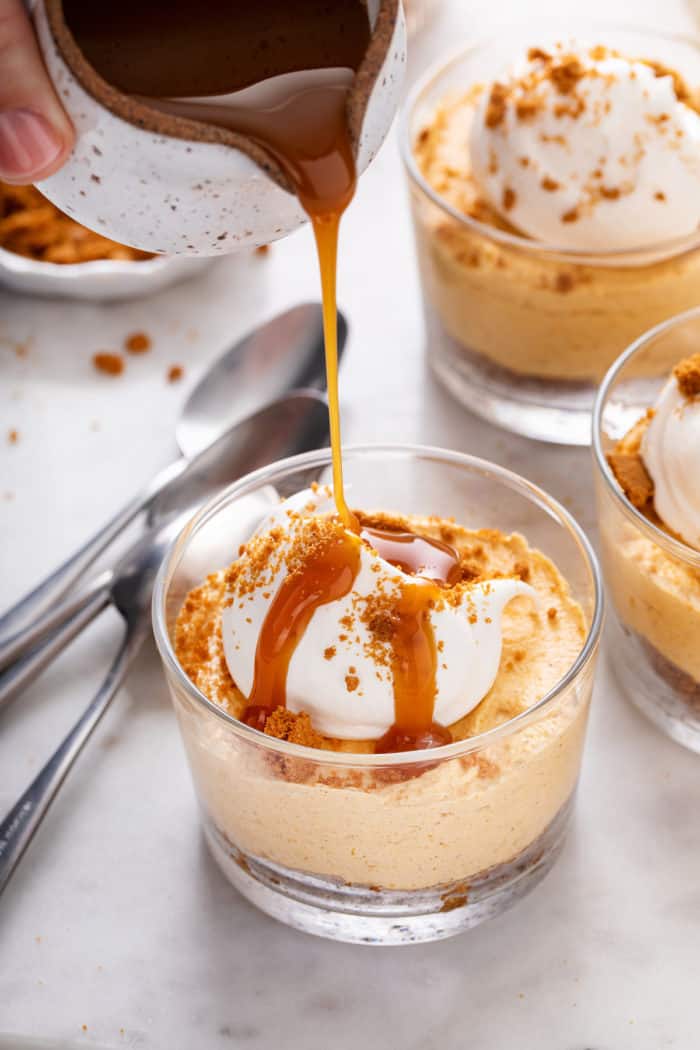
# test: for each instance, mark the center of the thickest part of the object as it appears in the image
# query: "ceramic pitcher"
(165, 193)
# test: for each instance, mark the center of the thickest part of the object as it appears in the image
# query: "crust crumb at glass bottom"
(370, 915)
(666, 694)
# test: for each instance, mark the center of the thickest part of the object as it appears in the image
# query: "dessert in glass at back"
(555, 185)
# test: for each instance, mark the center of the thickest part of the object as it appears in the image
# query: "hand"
(36, 136)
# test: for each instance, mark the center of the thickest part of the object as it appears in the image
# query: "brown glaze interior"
(137, 112)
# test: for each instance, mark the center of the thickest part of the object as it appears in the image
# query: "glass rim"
(321, 457)
(661, 249)
(677, 548)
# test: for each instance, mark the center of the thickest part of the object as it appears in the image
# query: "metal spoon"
(291, 424)
(130, 593)
(294, 423)
(286, 352)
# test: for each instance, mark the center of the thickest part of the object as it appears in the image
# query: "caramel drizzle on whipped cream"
(325, 572)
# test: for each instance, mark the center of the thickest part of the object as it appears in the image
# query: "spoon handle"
(54, 586)
(24, 641)
(20, 825)
(66, 621)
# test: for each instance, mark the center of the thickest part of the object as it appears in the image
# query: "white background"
(117, 919)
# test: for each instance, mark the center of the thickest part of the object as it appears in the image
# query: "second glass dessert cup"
(522, 332)
(388, 848)
(653, 578)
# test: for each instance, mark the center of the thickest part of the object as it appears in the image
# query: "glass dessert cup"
(522, 332)
(386, 848)
(653, 579)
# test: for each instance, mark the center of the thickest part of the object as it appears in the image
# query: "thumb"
(35, 133)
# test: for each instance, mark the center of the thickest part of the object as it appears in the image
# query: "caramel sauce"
(327, 576)
(414, 653)
(414, 673)
(281, 73)
(418, 555)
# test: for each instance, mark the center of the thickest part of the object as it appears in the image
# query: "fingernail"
(28, 143)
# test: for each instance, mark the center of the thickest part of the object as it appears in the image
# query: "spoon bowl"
(284, 354)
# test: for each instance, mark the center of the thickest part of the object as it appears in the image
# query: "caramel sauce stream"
(191, 60)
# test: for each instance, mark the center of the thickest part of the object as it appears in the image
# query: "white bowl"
(100, 280)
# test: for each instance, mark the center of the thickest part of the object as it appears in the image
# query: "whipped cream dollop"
(587, 149)
(337, 673)
(670, 451)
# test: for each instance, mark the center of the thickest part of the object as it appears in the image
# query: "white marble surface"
(117, 919)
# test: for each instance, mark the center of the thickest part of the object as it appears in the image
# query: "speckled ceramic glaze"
(171, 194)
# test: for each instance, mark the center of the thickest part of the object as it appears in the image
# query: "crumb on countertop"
(108, 363)
(137, 343)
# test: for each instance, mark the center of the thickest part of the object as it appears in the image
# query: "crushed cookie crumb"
(552, 613)
(687, 375)
(137, 343)
(351, 682)
(537, 54)
(522, 569)
(262, 249)
(632, 477)
(526, 109)
(12, 436)
(566, 74)
(610, 193)
(108, 363)
(680, 87)
(572, 215)
(509, 198)
(564, 282)
(496, 106)
(549, 184)
(296, 728)
(175, 373)
(659, 195)
(329, 652)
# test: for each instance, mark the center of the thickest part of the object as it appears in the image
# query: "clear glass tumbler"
(389, 848)
(522, 332)
(653, 579)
